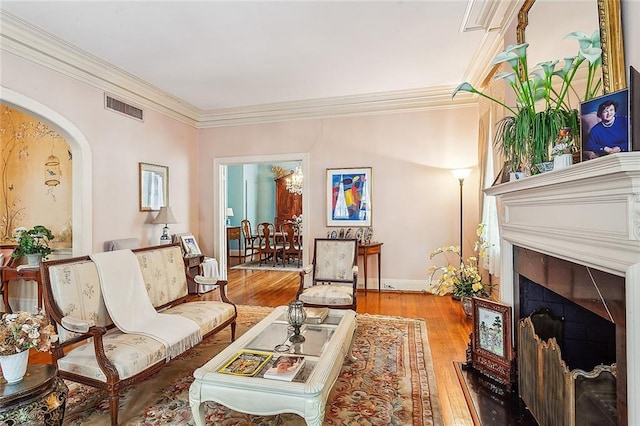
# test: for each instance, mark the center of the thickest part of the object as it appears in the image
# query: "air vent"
(123, 108)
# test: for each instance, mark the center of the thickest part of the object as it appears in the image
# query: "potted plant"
(33, 243)
(19, 332)
(542, 105)
(460, 277)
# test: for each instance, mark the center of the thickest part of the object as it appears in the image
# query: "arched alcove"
(81, 216)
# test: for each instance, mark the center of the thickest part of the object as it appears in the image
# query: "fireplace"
(582, 224)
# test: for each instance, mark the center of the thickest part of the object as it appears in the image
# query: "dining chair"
(334, 275)
(270, 246)
(292, 242)
(251, 241)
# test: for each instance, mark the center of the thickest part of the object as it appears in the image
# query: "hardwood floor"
(447, 327)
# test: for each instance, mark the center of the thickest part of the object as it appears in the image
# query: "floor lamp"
(461, 175)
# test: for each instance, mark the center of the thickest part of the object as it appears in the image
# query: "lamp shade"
(461, 174)
(229, 212)
(165, 215)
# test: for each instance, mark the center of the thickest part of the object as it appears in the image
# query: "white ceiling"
(225, 54)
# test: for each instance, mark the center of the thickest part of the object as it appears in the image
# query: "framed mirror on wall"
(154, 187)
(537, 18)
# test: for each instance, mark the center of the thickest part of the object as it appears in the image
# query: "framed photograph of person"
(604, 125)
(491, 348)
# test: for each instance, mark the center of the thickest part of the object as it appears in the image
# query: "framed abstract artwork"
(349, 197)
(491, 348)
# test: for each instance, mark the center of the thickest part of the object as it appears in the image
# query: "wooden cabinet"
(288, 204)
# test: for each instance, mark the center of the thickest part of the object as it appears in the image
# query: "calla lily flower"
(592, 54)
(509, 77)
(568, 63)
(595, 39)
(547, 67)
(506, 56)
(583, 39)
(520, 50)
(464, 87)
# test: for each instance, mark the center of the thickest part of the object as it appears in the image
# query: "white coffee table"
(324, 349)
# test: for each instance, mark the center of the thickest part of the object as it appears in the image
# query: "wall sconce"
(165, 215)
(229, 215)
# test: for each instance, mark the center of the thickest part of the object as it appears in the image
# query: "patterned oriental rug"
(392, 383)
(268, 266)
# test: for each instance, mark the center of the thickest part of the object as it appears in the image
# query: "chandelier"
(294, 182)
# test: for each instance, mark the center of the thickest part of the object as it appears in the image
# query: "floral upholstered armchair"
(334, 275)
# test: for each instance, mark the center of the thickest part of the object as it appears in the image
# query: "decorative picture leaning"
(491, 350)
(605, 125)
(349, 197)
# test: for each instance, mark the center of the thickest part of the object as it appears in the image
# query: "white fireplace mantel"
(589, 214)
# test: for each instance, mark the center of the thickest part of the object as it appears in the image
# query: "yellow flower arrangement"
(463, 278)
(21, 331)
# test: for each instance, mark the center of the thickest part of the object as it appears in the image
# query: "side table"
(20, 273)
(38, 399)
(366, 250)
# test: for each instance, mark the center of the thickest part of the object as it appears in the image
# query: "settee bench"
(91, 349)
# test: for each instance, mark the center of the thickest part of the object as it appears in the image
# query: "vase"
(562, 161)
(547, 166)
(466, 305)
(14, 366)
(34, 259)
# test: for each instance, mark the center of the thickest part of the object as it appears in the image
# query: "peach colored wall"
(117, 145)
(415, 197)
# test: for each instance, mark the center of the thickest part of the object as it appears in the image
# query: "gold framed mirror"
(607, 16)
(154, 186)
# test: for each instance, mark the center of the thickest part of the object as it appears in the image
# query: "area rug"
(267, 266)
(391, 383)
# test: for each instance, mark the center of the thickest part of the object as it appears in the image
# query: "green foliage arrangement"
(33, 241)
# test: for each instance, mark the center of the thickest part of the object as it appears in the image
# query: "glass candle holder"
(296, 316)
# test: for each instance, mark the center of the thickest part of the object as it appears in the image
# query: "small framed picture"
(349, 197)
(491, 348)
(190, 245)
(604, 125)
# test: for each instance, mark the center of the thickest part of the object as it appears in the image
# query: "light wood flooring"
(447, 327)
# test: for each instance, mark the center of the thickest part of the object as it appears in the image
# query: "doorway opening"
(221, 181)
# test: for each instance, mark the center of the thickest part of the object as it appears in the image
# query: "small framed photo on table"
(491, 348)
(190, 245)
(604, 125)
(349, 197)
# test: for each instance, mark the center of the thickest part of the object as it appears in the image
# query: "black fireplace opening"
(587, 340)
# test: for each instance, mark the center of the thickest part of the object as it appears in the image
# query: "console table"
(366, 250)
(39, 398)
(233, 233)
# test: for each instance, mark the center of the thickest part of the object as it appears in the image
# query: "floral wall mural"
(35, 177)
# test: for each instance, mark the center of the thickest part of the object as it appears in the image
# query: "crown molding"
(342, 106)
(31, 43)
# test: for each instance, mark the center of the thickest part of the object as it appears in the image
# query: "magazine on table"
(285, 367)
(246, 363)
